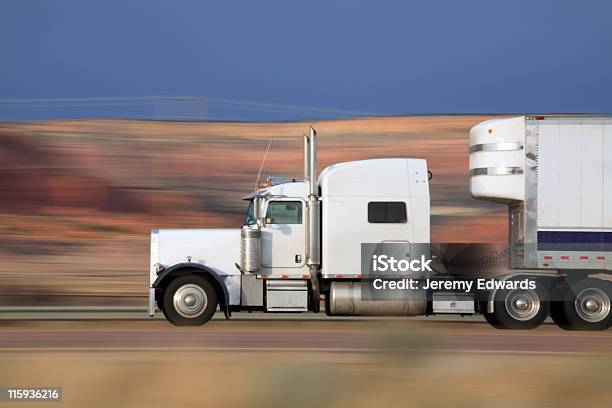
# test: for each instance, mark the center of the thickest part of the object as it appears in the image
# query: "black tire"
(571, 313)
(491, 319)
(179, 311)
(508, 316)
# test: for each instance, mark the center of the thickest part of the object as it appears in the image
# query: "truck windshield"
(250, 217)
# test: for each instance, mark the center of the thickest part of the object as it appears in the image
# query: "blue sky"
(323, 58)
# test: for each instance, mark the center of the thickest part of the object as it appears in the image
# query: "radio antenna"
(262, 163)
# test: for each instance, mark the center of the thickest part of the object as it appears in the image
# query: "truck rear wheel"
(189, 300)
(523, 309)
(588, 306)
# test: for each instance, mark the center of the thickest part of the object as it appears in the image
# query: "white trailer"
(303, 240)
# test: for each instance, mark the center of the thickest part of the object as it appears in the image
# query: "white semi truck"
(304, 240)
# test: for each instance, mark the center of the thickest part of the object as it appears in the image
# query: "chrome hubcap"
(190, 300)
(522, 305)
(592, 305)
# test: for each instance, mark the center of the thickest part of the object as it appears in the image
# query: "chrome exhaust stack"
(312, 162)
(313, 205)
(306, 158)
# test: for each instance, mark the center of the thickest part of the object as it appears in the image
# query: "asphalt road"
(308, 332)
(117, 357)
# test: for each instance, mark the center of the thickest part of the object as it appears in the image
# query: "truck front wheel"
(189, 300)
(588, 306)
(519, 309)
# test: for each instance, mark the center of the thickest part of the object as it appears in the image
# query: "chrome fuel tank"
(345, 300)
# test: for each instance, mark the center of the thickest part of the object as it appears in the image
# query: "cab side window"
(387, 212)
(284, 212)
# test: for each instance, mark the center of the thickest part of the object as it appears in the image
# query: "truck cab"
(301, 238)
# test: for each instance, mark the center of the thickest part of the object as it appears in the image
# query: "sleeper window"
(284, 212)
(387, 212)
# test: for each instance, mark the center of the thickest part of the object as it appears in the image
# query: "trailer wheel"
(189, 300)
(588, 306)
(522, 309)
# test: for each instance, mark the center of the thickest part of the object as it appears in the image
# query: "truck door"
(283, 239)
